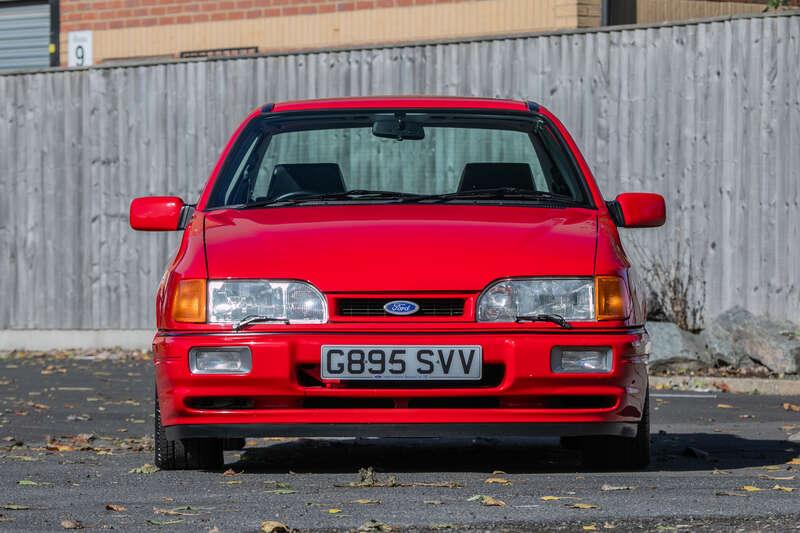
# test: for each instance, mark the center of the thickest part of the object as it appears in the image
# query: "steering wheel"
(290, 194)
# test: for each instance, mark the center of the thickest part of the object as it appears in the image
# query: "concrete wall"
(707, 114)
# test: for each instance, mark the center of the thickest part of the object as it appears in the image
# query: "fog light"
(572, 360)
(220, 360)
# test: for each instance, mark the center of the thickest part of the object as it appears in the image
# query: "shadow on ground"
(671, 452)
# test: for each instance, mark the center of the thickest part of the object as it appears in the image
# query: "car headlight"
(569, 298)
(230, 301)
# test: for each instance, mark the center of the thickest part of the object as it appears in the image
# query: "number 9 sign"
(79, 48)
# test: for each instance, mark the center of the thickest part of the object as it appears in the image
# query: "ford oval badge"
(401, 307)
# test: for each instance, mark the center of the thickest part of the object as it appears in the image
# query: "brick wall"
(115, 14)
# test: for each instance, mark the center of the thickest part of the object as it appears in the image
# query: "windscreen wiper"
(355, 194)
(555, 319)
(256, 319)
(499, 193)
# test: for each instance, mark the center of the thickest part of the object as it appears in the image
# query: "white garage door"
(24, 35)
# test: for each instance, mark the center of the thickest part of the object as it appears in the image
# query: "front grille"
(374, 307)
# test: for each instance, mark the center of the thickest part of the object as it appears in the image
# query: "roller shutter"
(24, 35)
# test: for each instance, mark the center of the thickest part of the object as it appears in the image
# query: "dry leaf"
(374, 526)
(165, 522)
(751, 488)
(551, 498)
(27, 482)
(583, 506)
(497, 481)
(589, 527)
(281, 491)
(231, 472)
(791, 407)
(71, 524)
(333, 511)
(777, 478)
(486, 500)
(783, 489)
(366, 501)
(176, 511)
(795, 461)
(14, 507)
(607, 487)
(146, 468)
(273, 526)
(117, 508)
(725, 406)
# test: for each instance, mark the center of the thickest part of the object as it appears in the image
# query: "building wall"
(706, 114)
(150, 28)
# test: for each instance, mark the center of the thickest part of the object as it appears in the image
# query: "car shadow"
(670, 452)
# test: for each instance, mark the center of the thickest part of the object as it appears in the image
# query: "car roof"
(400, 102)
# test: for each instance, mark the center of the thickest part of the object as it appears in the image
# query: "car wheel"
(187, 454)
(624, 453)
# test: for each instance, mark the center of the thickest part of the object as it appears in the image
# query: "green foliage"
(775, 4)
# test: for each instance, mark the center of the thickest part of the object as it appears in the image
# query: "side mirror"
(159, 213)
(639, 210)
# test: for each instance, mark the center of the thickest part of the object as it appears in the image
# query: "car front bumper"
(519, 395)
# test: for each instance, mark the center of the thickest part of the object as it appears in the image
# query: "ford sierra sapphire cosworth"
(400, 266)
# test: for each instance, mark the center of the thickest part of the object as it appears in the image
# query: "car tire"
(623, 453)
(187, 454)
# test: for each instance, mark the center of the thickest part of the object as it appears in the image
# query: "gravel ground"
(75, 436)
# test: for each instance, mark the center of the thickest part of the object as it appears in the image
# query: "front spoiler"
(188, 431)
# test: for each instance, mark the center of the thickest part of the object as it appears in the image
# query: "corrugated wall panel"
(24, 35)
(706, 114)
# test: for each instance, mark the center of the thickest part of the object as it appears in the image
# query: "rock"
(739, 338)
(675, 348)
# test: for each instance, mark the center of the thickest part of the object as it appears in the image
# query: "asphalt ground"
(74, 431)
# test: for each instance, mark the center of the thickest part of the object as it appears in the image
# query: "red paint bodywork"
(353, 250)
(156, 213)
(642, 209)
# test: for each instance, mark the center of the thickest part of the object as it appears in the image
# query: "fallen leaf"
(231, 472)
(165, 522)
(751, 488)
(71, 524)
(366, 501)
(791, 407)
(27, 482)
(497, 481)
(783, 489)
(486, 500)
(272, 526)
(728, 493)
(373, 525)
(550, 498)
(185, 510)
(232, 482)
(14, 507)
(117, 508)
(583, 506)
(717, 472)
(589, 527)
(795, 461)
(777, 478)
(725, 406)
(333, 511)
(282, 491)
(607, 487)
(146, 468)
(609, 525)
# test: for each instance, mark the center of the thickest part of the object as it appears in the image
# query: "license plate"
(402, 362)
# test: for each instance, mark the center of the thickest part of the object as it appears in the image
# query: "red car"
(400, 266)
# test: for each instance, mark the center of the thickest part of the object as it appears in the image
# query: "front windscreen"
(392, 157)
